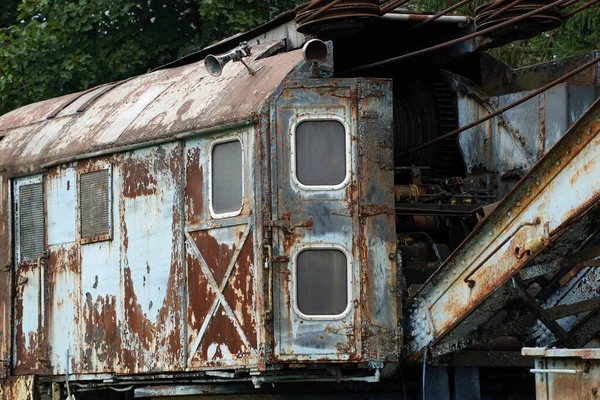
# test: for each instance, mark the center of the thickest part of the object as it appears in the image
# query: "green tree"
(52, 47)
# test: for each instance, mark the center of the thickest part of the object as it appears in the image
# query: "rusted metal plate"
(151, 317)
(222, 314)
(381, 326)
(62, 292)
(565, 374)
(5, 277)
(491, 254)
(30, 276)
(21, 387)
(150, 107)
(101, 296)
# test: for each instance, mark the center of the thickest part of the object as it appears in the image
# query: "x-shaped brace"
(218, 289)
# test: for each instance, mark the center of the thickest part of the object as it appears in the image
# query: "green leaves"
(52, 47)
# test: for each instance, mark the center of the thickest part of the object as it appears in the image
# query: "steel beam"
(559, 190)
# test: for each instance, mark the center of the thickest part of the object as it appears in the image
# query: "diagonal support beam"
(542, 314)
(218, 289)
(560, 189)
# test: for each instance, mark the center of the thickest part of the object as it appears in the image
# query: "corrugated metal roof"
(142, 109)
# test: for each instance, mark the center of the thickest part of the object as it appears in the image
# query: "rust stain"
(101, 332)
(185, 107)
(240, 291)
(221, 340)
(137, 179)
(217, 255)
(21, 388)
(153, 345)
(194, 187)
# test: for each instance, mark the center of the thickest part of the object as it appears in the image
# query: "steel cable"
(441, 13)
(454, 41)
(580, 8)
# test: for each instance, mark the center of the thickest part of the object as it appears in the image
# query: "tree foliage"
(53, 47)
(578, 34)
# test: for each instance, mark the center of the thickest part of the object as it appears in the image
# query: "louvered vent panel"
(31, 217)
(95, 203)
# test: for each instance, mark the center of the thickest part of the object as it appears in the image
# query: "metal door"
(314, 224)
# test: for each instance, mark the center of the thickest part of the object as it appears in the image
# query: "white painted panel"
(61, 203)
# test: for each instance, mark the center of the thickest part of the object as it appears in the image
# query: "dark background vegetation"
(53, 47)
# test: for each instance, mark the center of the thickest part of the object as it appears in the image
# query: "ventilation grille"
(94, 192)
(31, 220)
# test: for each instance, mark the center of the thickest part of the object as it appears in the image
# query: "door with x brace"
(219, 238)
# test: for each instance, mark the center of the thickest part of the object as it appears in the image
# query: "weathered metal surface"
(101, 298)
(565, 374)
(21, 388)
(570, 167)
(516, 140)
(334, 216)
(146, 108)
(63, 297)
(5, 277)
(498, 79)
(151, 317)
(380, 291)
(354, 217)
(29, 339)
(222, 287)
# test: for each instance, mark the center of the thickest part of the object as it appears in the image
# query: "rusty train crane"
(345, 214)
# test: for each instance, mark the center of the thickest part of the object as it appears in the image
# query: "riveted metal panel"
(95, 204)
(381, 325)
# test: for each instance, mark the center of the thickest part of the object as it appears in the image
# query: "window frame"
(98, 238)
(348, 152)
(16, 213)
(227, 139)
(349, 283)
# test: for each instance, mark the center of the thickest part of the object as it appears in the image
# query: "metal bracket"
(290, 229)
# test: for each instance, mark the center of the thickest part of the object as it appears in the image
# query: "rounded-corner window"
(226, 178)
(322, 282)
(321, 154)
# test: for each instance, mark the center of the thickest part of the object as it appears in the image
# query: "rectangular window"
(30, 223)
(95, 205)
(322, 282)
(226, 178)
(321, 153)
